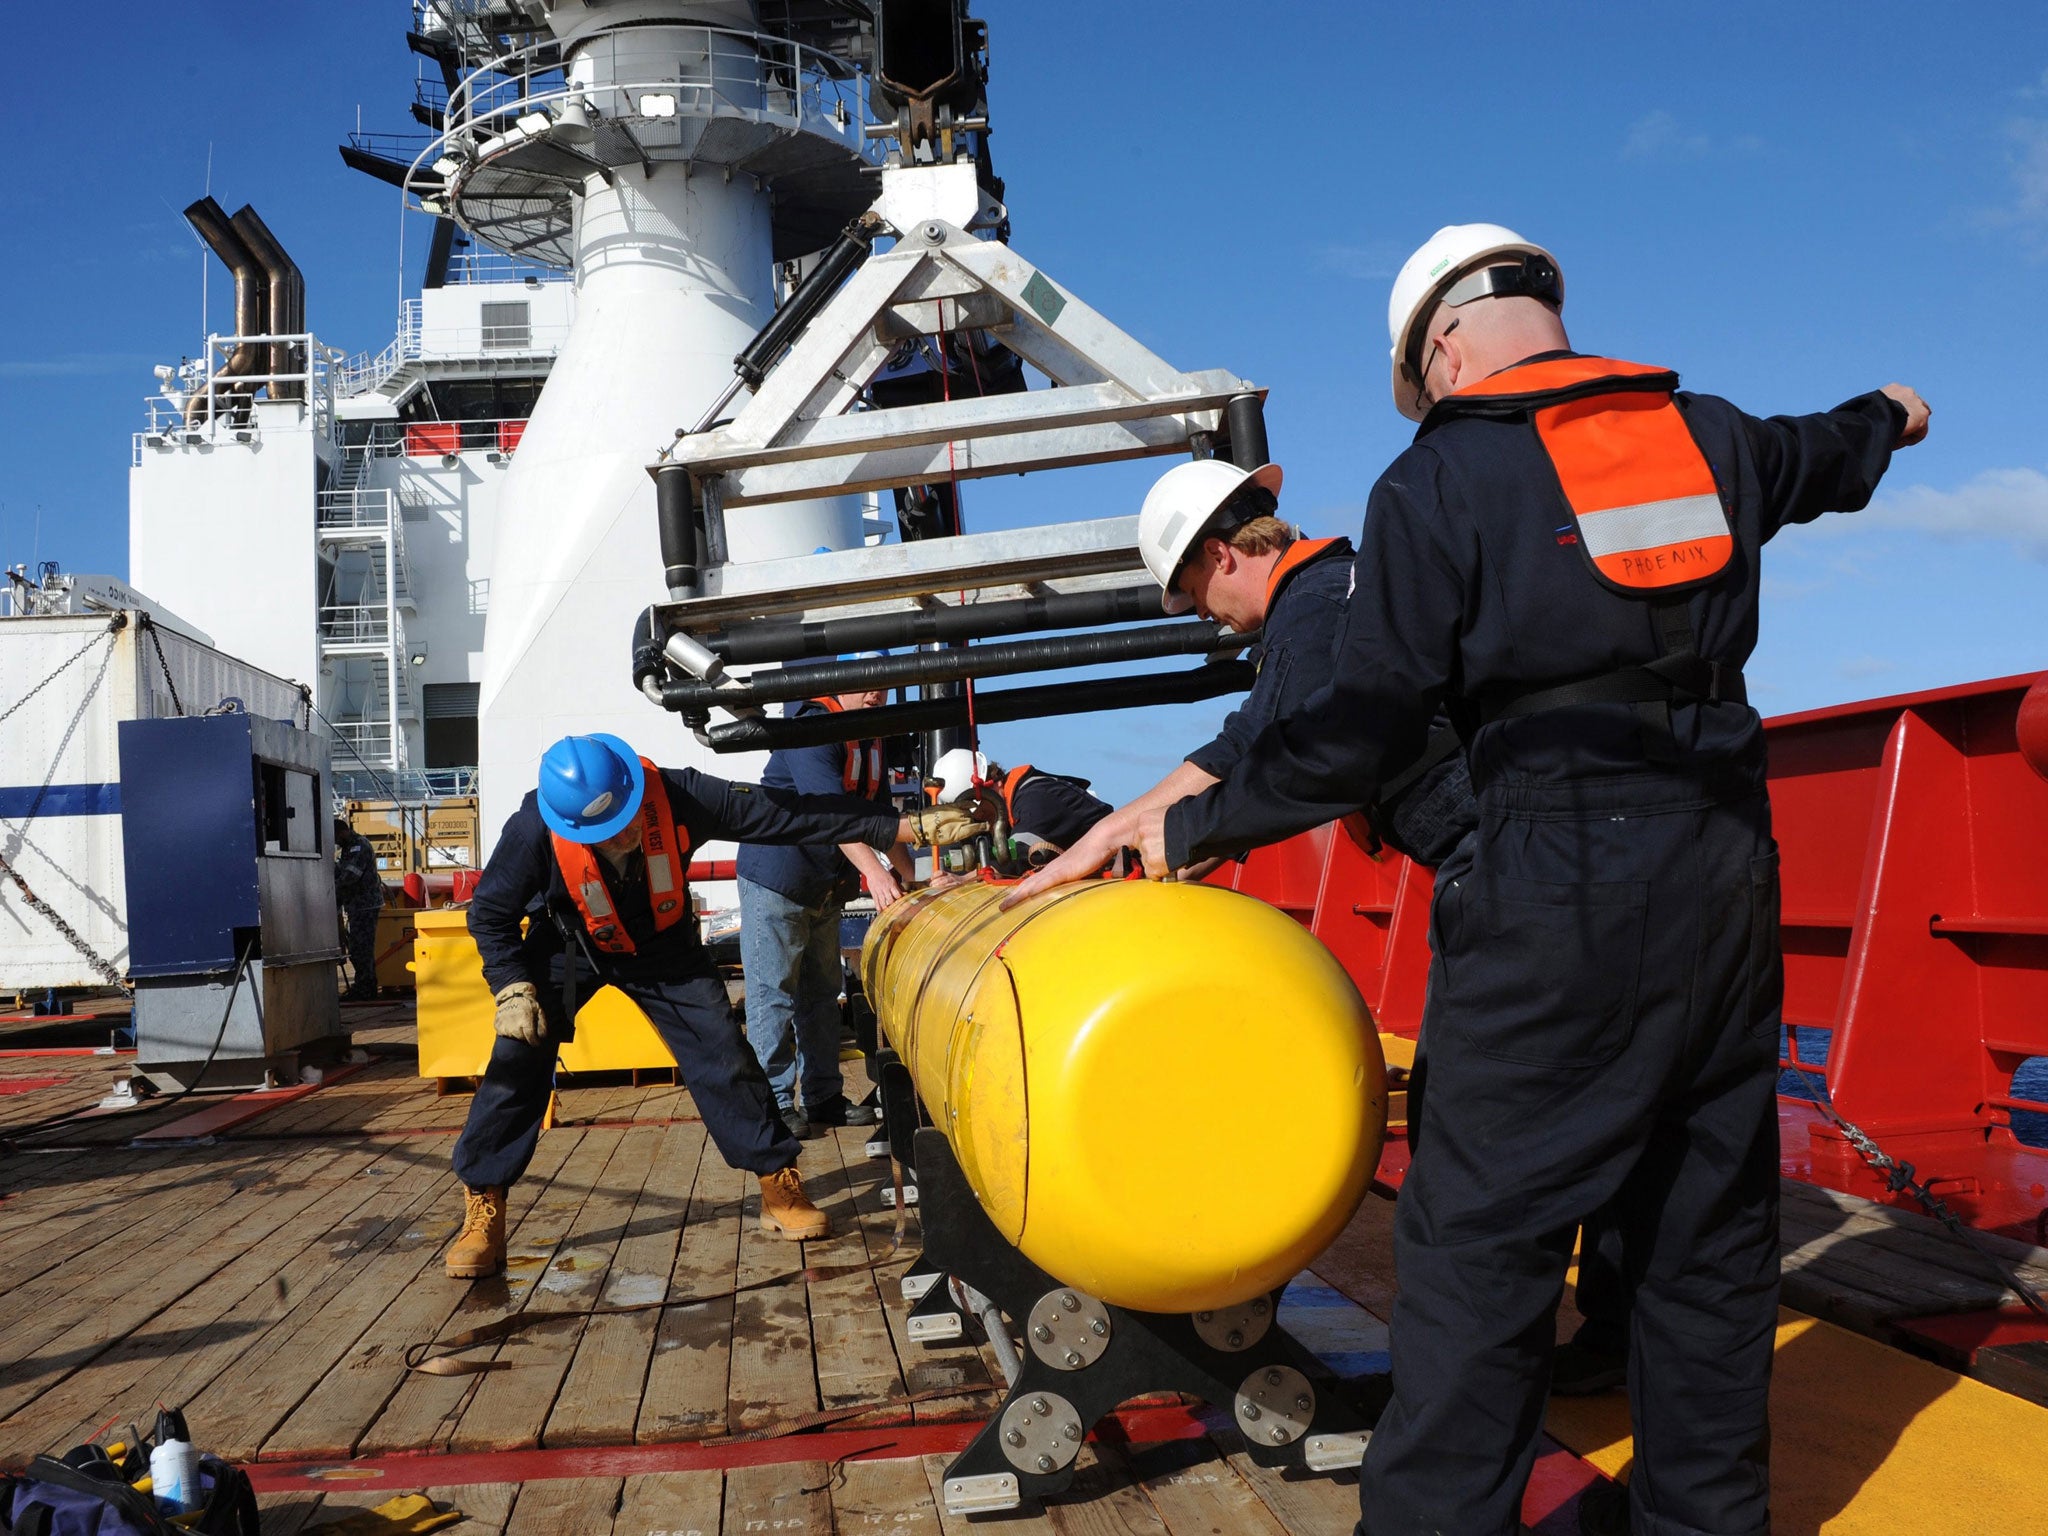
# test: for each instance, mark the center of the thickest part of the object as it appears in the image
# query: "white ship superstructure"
(450, 538)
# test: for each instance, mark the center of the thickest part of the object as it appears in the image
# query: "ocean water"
(2029, 1082)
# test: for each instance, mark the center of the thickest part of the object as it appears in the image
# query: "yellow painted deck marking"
(1866, 1441)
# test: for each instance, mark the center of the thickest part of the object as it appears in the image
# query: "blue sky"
(1787, 207)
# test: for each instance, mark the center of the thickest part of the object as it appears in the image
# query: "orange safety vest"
(1645, 508)
(1010, 782)
(863, 774)
(1296, 555)
(666, 848)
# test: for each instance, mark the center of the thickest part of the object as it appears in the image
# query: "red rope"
(960, 526)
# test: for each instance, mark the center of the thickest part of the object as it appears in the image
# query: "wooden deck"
(270, 1277)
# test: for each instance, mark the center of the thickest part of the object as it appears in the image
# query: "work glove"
(519, 1016)
(940, 826)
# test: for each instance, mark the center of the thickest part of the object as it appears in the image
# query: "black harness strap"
(1440, 746)
(1680, 675)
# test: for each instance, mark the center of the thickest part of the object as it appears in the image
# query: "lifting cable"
(1900, 1178)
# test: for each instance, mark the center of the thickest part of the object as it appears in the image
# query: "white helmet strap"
(1531, 277)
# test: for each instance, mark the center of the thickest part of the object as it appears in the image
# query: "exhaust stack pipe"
(287, 307)
(252, 299)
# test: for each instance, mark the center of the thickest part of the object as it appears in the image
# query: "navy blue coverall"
(669, 976)
(359, 892)
(1304, 618)
(1054, 807)
(1303, 632)
(1604, 997)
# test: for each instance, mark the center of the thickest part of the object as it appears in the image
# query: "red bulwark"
(430, 439)
(1915, 923)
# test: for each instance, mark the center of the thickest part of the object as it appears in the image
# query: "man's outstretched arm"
(1393, 661)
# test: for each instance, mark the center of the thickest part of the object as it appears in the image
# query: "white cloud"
(1372, 260)
(2029, 136)
(72, 365)
(1660, 135)
(2008, 506)
(1657, 135)
(1857, 667)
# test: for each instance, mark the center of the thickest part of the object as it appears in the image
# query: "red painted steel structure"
(1914, 837)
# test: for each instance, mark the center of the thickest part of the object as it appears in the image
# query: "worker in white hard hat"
(1048, 811)
(1211, 535)
(1567, 559)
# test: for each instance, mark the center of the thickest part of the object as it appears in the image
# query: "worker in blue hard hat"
(587, 887)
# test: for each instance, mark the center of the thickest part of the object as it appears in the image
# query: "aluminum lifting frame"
(804, 433)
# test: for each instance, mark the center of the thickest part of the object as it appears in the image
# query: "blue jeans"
(790, 953)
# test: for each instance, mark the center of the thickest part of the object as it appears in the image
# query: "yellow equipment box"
(395, 938)
(456, 1010)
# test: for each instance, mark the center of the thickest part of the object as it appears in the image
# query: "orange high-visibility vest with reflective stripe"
(862, 773)
(666, 848)
(1646, 509)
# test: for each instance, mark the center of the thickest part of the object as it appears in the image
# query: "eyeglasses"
(1435, 347)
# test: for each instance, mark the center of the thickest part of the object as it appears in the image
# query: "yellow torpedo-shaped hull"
(1170, 1096)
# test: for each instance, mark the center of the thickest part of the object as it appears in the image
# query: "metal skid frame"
(806, 432)
(1082, 1356)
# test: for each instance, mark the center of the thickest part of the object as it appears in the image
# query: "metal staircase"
(365, 666)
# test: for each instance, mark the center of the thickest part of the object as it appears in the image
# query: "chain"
(64, 666)
(1900, 1178)
(36, 903)
(65, 931)
(169, 682)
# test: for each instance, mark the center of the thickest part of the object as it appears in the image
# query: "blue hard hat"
(590, 787)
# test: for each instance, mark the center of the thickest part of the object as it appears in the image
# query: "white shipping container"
(60, 771)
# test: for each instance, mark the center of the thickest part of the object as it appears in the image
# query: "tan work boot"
(479, 1249)
(786, 1209)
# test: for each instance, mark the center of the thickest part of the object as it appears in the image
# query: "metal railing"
(373, 509)
(395, 439)
(358, 626)
(385, 783)
(624, 79)
(372, 740)
(489, 265)
(488, 343)
(205, 404)
(369, 518)
(361, 372)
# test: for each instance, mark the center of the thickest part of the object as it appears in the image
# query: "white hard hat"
(1427, 278)
(1178, 509)
(958, 771)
